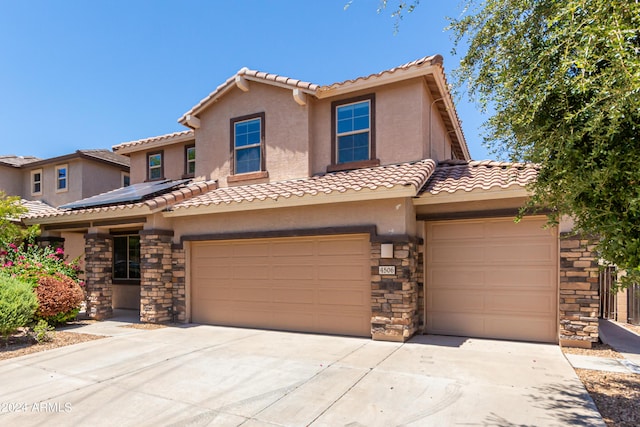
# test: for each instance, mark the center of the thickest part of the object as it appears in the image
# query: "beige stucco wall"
(173, 158)
(390, 217)
(126, 296)
(401, 124)
(286, 132)
(85, 178)
(11, 181)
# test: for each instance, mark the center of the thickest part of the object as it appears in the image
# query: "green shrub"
(59, 298)
(42, 332)
(18, 303)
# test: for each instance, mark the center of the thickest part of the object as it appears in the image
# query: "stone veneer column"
(98, 273)
(178, 264)
(394, 298)
(53, 241)
(579, 302)
(156, 281)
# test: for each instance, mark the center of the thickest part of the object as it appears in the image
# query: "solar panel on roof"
(130, 194)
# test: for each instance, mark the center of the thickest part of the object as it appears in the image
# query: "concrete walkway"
(620, 339)
(215, 376)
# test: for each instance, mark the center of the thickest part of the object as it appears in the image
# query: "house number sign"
(387, 269)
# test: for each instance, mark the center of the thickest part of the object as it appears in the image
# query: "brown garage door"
(492, 278)
(310, 284)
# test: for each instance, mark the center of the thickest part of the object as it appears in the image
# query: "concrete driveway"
(206, 375)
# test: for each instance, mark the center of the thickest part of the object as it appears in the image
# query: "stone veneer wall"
(579, 301)
(394, 298)
(178, 265)
(156, 283)
(98, 273)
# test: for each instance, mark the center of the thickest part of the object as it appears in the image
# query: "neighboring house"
(352, 208)
(44, 184)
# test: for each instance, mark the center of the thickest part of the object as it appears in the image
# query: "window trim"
(161, 153)
(372, 160)
(232, 163)
(188, 174)
(66, 178)
(33, 182)
(124, 175)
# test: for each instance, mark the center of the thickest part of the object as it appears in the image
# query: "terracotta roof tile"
(427, 60)
(406, 174)
(17, 161)
(146, 141)
(455, 175)
(189, 190)
(37, 207)
(107, 156)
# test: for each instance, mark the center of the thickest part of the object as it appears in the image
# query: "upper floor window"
(247, 139)
(36, 182)
(190, 160)
(126, 179)
(61, 178)
(155, 168)
(353, 123)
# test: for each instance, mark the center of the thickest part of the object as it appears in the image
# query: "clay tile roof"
(37, 207)
(185, 134)
(17, 161)
(107, 156)
(252, 75)
(427, 60)
(406, 174)
(457, 175)
(159, 202)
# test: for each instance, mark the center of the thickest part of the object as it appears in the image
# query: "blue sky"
(92, 74)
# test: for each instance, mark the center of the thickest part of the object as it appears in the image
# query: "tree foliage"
(563, 78)
(11, 231)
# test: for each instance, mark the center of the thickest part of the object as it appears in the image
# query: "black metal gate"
(633, 294)
(608, 306)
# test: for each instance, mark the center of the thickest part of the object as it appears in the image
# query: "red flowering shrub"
(59, 298)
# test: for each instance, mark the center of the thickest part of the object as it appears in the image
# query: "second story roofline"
(155, 141)
(98, 155)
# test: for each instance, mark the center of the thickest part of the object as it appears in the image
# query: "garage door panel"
(303, 248)
(520, 303)
(447, 232)
(315, 284)
(450, 300)
(342, 299)
(342, 246)
(294, 272)
(491, 277)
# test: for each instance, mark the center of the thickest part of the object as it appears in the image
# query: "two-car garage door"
(310, 284)
(492, 278)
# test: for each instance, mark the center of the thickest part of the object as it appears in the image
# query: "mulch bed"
(22, 344)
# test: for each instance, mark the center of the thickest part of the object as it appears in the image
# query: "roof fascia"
(365, 194)
(451, 110)
(144, 146)
(375, 81)
(471, 196)
(73, 217)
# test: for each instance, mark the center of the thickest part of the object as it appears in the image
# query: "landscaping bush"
(59, 298)
(18, 303)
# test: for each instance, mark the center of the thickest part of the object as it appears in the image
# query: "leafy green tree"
(10, 212)
(563, 80)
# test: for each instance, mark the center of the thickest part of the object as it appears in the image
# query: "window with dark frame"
(36, 181)
(247, 143)
(61, 178)
(353, 124)
(126, 258)
(190, 160)
(155, 167)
